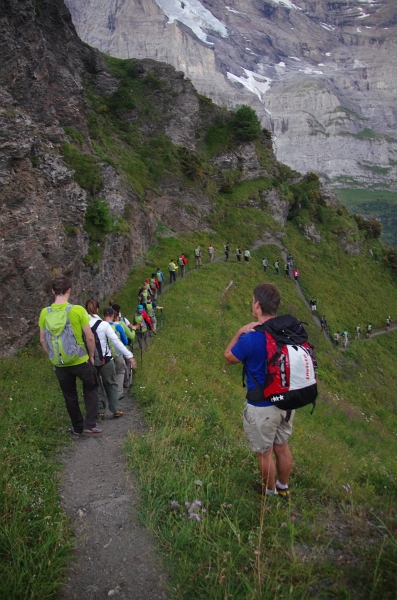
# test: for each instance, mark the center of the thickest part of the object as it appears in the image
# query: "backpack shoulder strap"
(96, 325)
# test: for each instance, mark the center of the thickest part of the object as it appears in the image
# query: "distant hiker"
(62, 327)
(265, 425)
(142, 319)
(182, 262)
(323, 323)
(154, 286)
(286, 269)
(290, 261)
(296, 275)
(388, 323)
(345, 337)
(211, 253)
(172, 268)
(150, 309)
(358, 332)
(247, 256)
(336, 338)
(369, 330)
(197, 256)
(239, 254)
(160, 279)
(313, 304)
(144, 294)
(277, 267)
(265, 264)
(226, 249)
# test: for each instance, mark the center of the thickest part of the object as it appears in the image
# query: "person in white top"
(108, 390)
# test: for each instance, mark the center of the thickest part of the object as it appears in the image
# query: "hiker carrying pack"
(62, 345)
(99, 358)
(290, 379)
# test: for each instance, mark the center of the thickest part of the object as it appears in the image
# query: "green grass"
(377, 203)
(35, 542)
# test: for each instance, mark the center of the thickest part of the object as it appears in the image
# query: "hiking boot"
(284, 494)
(260, 491)
(94, 431)
(118, 413)
(73, 432)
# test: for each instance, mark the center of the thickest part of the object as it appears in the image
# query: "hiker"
(108, 391)
(129, 330)
(296, 275)
(323, 323)
(211, 252)
(182, 262)
(62, 327)
(114, 322)
(265, 425)
(160, 279)
(197, 256)
(226, 249)
(172, 269)
(336, 338)
(265, 264)
(153, 286)
(277, 267)
(144, 294)
(247, 256)
(239, 254)
(388, 323)
(142, 319)
(313, 304)
(358, 332)
(290, 261)
(150, 306)
(345, 337)
(286, 269)
(369, 330)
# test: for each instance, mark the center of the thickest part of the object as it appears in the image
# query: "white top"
(105, 332)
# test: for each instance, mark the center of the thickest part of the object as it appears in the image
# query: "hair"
(116, 308)
(92, 306)
(61, 285)
(111, 302)
(268, 297)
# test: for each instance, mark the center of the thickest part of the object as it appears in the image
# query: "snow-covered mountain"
(321, 74)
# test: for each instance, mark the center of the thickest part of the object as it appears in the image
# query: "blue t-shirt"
(251, 349)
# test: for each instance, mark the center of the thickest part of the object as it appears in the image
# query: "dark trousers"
(67, 381)
(172, 276)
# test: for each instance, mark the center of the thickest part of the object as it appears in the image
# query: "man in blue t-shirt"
(265, 425)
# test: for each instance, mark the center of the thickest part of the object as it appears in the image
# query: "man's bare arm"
(43, 342)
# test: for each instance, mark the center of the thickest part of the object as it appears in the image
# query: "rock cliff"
(77, 136)
(321, 75)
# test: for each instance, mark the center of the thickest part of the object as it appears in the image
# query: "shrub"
(85, 166)
(245, 125)
(372, 226)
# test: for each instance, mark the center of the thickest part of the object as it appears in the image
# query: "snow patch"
(257, 84)
(310, 71)
(327, 27)
(287, 4)
(320, 64)
(362, 16)
(358, 64)
(236, 12)
(194, 16)
(281, 64)
(358, 30)
(295, 58)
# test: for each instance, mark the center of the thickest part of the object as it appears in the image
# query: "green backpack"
(62, 345)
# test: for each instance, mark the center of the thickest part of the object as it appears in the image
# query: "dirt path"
(114, 555)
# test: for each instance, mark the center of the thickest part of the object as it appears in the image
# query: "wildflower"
(203, 511)
(194, 516)
(346, 488)
(187, 504)
(293, 518)
(174, 504)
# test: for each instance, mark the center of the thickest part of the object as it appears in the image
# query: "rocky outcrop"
(321, 75)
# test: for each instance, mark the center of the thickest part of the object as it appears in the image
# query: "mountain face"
(321, 75)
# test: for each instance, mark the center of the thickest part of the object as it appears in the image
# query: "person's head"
(108, 313)
(61, 285)
(266, 298)
(158, 269)
(92, 307)
(111, 302)
(140, 308)
(116, 308)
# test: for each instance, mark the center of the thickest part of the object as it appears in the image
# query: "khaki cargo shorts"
(265, 426)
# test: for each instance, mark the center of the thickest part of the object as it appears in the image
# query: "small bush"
(245, 125)
(372, 227)
(86, 168)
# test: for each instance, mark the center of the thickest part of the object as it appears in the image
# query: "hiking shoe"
(118, 413)
(101, 416)
(284, 494)
(95, 430)
(260, 491)
(73, 432)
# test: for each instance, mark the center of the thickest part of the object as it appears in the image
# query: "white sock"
(270, 492)
(281, 486)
